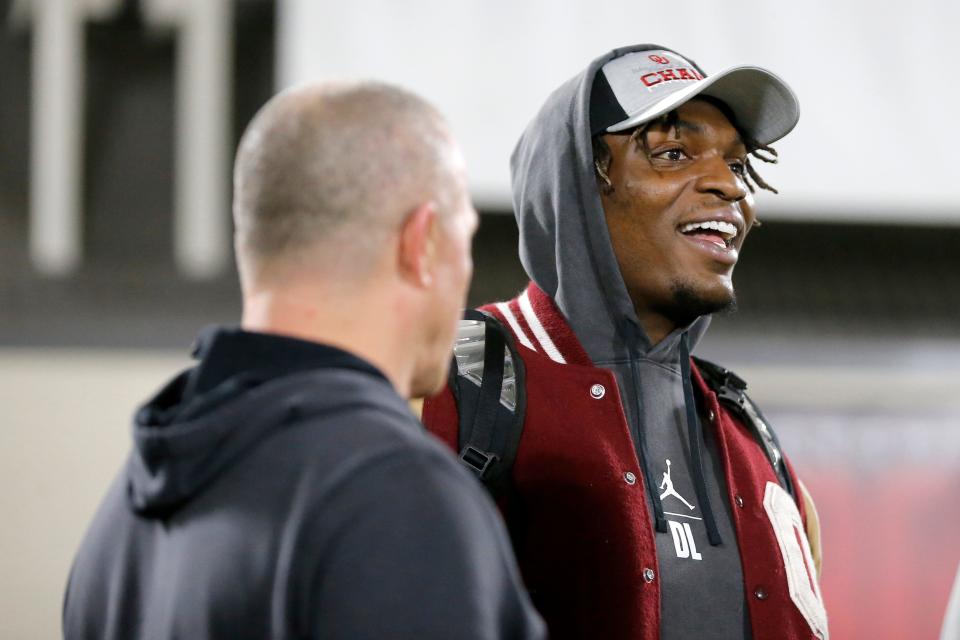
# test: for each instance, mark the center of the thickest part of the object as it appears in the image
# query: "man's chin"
(429, 382)
(690, 302)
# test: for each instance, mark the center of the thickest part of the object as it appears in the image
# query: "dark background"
(806, 279)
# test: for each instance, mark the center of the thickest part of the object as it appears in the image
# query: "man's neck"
(353, 322)
(656, 326)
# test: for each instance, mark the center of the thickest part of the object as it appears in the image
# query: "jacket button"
(630, 477)
(712, 415)
(648, 574)
(597, 391)
(760, 593)
(739, 500)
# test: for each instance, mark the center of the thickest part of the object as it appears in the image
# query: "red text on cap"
(670, 75)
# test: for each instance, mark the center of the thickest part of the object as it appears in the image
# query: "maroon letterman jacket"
(579, 518)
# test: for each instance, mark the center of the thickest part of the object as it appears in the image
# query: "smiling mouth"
(717, 232)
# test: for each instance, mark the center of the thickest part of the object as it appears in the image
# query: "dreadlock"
(764, 152)
(602, 155)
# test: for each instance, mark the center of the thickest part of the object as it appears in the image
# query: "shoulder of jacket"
(731, 391)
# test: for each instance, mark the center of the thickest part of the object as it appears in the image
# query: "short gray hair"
(339, 162)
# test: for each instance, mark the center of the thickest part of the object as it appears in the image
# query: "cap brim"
(765, 106)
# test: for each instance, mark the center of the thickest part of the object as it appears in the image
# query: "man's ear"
(416, 250)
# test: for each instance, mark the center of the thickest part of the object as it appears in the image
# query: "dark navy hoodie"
(282, 489)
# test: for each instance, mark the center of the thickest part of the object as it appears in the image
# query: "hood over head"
(565, 245)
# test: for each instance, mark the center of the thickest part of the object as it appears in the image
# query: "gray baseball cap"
(639, 86)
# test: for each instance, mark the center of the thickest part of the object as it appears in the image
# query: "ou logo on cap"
(659, 59)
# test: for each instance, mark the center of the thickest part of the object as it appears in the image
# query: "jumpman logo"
(670, 491)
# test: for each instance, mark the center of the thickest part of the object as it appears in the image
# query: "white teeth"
(728, 230)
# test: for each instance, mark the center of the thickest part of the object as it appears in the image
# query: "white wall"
(64, 433)
(877, 133)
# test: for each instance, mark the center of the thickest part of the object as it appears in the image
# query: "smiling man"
(647, 498)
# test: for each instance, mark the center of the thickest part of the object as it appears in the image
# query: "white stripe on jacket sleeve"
(512, 321)
(538, 331)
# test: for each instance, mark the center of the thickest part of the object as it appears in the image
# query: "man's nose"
(719, 178)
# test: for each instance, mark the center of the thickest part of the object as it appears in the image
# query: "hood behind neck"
(564, 241)
(245, 387)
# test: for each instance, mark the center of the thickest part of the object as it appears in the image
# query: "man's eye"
(738, 168)
(673, 155)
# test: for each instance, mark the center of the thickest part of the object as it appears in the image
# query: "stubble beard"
(688, 304)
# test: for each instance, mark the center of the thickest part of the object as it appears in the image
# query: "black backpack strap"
(477, 453)
(490, 431)
(731, 390)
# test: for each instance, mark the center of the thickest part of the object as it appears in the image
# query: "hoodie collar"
(226, 352)
(230, 360)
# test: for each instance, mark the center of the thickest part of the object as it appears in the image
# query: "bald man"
(281, 488)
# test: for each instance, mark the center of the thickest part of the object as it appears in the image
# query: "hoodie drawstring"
(660, 522)
(693, 424)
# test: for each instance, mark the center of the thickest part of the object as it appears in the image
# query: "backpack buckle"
(478, 461)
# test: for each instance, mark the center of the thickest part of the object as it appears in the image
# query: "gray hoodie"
(565, 248)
